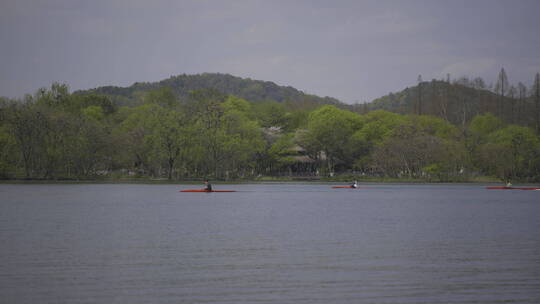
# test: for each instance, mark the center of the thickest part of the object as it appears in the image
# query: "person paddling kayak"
(208, 186)
(350, 186)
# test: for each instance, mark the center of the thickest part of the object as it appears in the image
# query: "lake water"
(268, 243)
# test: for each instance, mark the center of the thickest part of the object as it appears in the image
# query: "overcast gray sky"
(351, 50)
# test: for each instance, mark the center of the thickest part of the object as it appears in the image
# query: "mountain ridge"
(454, 102)
(247, 88)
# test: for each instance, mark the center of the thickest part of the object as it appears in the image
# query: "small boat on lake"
(512, 188)
(204, 190)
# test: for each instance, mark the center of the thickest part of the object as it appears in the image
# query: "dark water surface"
(268, 243)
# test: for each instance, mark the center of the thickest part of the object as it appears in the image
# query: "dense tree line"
(54, 134)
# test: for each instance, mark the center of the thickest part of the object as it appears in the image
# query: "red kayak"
(343, 187)
(204, 190)
(513, 188)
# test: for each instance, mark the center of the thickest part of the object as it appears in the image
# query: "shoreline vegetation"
(266, 179)
(180, 130)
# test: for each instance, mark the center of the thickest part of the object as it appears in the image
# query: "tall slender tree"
(512, 94)
(536, 92)
(419, 95)
(522, 94)
(479, 83)
(501, 88)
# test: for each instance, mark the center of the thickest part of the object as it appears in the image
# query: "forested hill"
(457, 103)
(182, 85)
(57, 135)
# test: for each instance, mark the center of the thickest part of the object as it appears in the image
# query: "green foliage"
(281, 153)
(8, 150)
(182, 86)
(54, 134)
(93, 113)
(329, 130)
(78, 102)
(296, 120)
(434, 126)
(506, 151)
(411, 146)
(458, 102)
(434, 170)
(241, 137)
(511, 152)
(163, 96)
(379, 126)
(233, 103)
(482, 125)
(57, 96)
(271, 114)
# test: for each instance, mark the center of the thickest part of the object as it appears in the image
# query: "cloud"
(470, 67)
(348, 49)
(262, 32)
(394, 22)
(390, 23)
